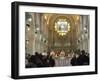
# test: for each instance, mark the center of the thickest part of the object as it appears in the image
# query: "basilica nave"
(56, 39)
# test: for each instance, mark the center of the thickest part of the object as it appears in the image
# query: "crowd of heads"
(39, 60)
(46, 59)
(80, 58)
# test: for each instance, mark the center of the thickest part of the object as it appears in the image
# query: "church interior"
(54, 39)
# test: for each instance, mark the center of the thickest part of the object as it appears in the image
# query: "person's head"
(77, 55)
(40, 53)
(83, 52)
(36, 53)
(31, 59)
(87, 54)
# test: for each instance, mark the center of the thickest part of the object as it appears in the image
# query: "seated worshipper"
(87, 59)
(83, 59)
(30, 63)
(37, 60)
(26, 58)
(44, 59)
(50, 60)
(74, 61)
(62, 60)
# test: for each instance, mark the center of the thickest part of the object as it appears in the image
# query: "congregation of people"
(52, 59)
(39, 60)
(80, 59)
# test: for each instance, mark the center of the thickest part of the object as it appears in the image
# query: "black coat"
(74, 61)
(51, 62)
(83, 60)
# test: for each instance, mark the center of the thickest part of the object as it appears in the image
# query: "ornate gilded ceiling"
(71, 36)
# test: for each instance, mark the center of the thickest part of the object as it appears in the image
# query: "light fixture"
(29, 19)
(68, 27)
(47, 22)
(85, 28)
(45, 17)
(27, 41)
(77, 17)
(37, 28)
(28, 27)
(82, 36)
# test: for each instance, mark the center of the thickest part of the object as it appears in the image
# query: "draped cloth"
(62, 61)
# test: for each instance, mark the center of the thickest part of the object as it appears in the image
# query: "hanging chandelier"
(62, 26)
